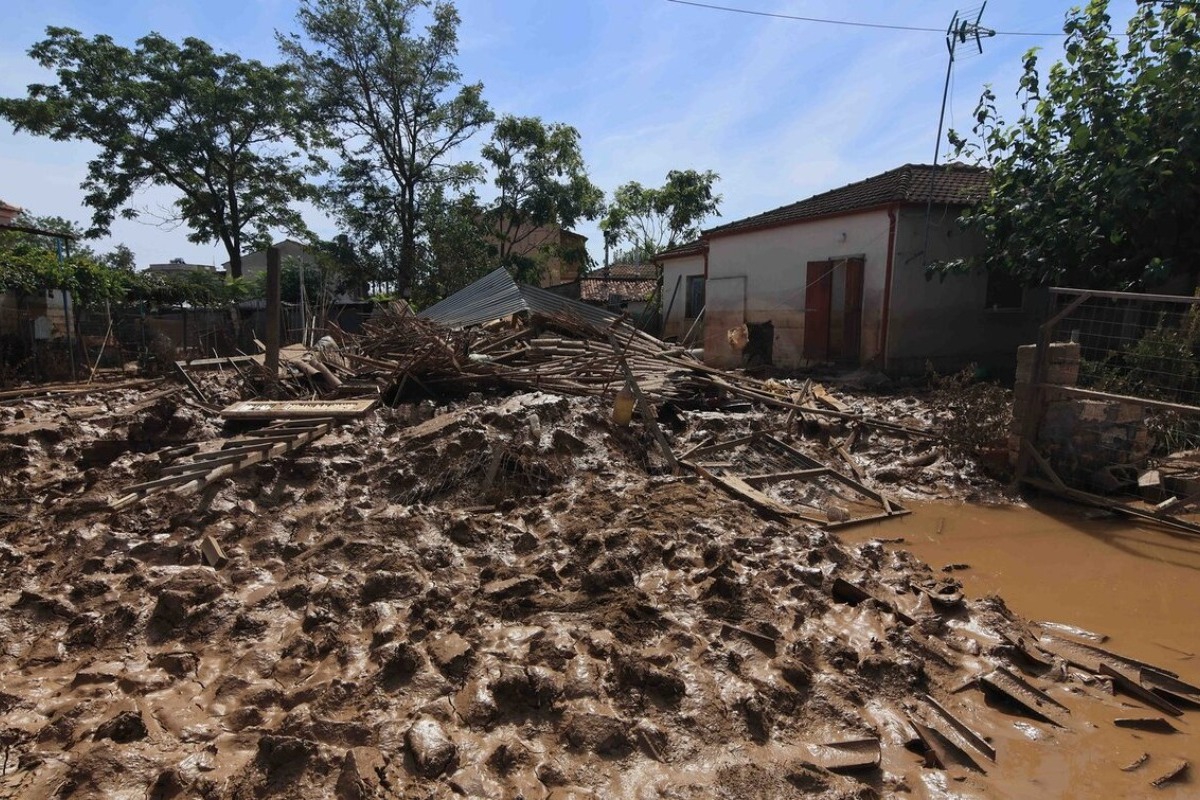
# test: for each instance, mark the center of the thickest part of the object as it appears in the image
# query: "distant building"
(559, 253)
(177, 265)
(256, 262)
(8, 214)
(620, 287)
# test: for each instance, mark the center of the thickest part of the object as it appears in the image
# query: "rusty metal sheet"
(298, 409)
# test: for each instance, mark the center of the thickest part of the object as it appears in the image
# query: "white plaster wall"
(678, 270)
(775, 264)
(944, 321)
(256, 262)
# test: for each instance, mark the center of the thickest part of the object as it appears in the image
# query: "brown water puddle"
(1139, 586)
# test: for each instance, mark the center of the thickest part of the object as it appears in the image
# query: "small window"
(1003, 291)
(695, 296)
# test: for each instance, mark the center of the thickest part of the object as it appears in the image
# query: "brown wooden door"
(852, 319)
(818, 293)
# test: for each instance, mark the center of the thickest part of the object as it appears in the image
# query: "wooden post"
(271, 363)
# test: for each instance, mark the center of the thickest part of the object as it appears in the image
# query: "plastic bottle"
(623, 406)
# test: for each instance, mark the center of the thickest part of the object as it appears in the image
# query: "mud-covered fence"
(40, 346)
(1108, 404)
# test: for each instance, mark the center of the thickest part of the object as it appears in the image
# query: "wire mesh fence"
(1120, 417)
(49, 341)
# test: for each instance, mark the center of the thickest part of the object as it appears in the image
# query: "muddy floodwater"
(1056, 562)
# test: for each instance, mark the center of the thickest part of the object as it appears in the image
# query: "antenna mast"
(959, 32)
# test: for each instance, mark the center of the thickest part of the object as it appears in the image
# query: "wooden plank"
(1090, 657)
(200, 466)
(214, 363)
(838, 476)
(1103, 502)
(1172, 504)
(847, 757)
(849, 523)
(644, 406)
(1043, 464)
(708, 450)
(850, 462)
(190, 383)
(298, 409)
(787, 475)
(208, 467)
(226, 470)
(749, 494)
(64, 390)
(708, 437)
(170, 480)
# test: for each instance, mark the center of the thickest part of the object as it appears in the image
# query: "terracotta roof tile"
(624, 272)
(687, 249)
(598, 290)
(955, 184)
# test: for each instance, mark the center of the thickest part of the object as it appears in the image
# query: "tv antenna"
(961, 31)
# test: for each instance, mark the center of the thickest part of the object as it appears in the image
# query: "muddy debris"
(500, 595)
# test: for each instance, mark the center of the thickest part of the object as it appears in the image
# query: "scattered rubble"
(500, 592)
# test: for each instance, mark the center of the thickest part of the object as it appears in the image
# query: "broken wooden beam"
(298, 409)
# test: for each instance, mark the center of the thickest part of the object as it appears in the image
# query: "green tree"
(649, 219)
(223, 132)
(33, 264)
(1095, 183)
(455, 252)
(120, 257)
(199, 288)
(541, 180)
(395, 101)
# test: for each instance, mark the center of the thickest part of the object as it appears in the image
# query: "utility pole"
(959, 32)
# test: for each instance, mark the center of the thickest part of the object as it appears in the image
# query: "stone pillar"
(1062, 369)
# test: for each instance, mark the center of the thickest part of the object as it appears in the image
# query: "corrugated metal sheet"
(540, 301)
(497, 295)
(493, 296)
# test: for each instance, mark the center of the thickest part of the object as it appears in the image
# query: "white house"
(683, 283)
(841, 278)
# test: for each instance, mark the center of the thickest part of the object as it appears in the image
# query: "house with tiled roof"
(840, 278)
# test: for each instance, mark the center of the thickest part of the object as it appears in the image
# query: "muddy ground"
(497, 598)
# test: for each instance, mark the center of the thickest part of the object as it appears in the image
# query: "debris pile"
(498, 600)
(500, 596)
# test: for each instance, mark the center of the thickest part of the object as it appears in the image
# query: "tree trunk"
(233, 246)
(408, 245)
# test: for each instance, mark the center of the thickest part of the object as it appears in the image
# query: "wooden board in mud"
(298, 409)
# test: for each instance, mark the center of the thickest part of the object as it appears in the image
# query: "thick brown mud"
(1062, 563)
(505, 598)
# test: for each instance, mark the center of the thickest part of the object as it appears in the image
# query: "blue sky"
(780, 109)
